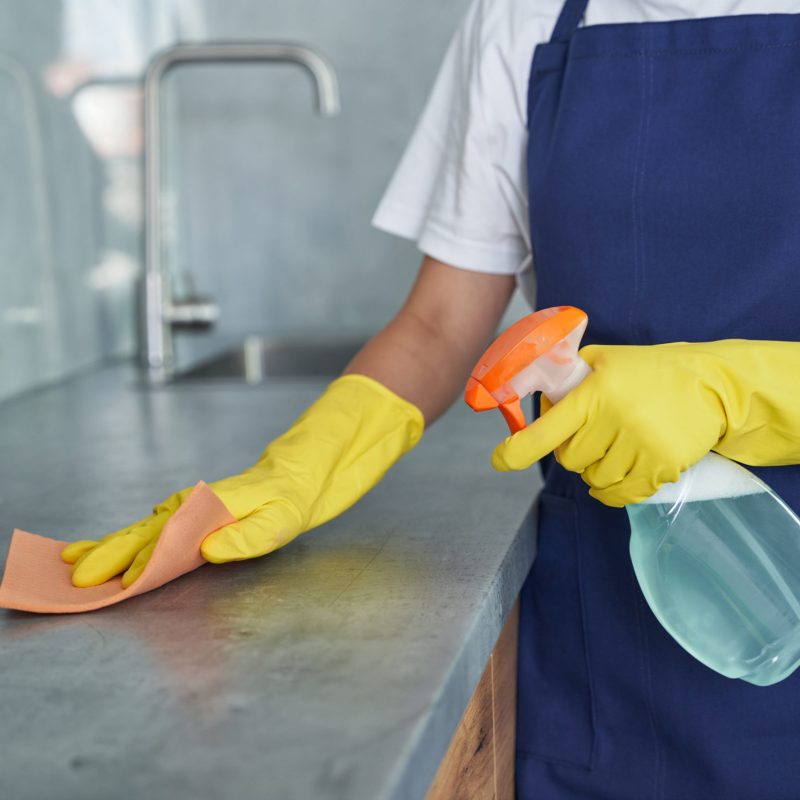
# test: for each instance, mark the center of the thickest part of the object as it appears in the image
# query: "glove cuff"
(356, 388)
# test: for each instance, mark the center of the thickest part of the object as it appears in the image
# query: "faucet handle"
(192, 313)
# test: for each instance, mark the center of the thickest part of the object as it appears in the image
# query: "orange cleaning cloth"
(36, 579)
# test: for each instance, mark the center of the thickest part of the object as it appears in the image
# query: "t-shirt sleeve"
(460, 189)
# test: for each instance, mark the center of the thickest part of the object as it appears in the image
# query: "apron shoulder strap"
(568, 20)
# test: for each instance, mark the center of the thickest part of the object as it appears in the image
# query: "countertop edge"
(436, 729)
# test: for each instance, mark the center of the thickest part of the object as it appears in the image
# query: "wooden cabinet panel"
(479, 764)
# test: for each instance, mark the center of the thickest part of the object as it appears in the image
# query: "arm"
(342, 445)
(426, 352)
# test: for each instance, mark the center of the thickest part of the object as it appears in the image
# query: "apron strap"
(568, 20)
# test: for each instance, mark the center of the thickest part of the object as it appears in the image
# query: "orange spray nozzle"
(537, 353)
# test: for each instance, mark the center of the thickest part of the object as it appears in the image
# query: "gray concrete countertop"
(335, 668)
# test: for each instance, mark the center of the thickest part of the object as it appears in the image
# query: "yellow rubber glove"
(333, 454)
(647, 413)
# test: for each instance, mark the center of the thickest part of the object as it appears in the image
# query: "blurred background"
(265, 205)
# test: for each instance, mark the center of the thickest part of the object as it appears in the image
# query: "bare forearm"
(427, 351)
(409, 358)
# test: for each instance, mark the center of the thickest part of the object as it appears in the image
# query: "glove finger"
(74, 550)
(172, 503)
(267, 529)
(546, 433)
(612, 468)
(105, 561)
(115, 553)
(139, 563)
(590, 444)
(142, 527)
(640, 483)
(624, 493)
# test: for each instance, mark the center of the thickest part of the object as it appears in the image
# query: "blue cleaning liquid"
(722, 573)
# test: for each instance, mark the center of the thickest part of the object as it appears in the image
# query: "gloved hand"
(647, 413)
(333, 454)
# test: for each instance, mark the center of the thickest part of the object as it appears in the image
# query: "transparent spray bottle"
(717, 553)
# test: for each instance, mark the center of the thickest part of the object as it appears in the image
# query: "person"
(649, 173)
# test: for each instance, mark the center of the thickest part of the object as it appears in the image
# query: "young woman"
(646, 168)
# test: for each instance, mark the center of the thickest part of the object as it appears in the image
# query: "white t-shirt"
(460, 190)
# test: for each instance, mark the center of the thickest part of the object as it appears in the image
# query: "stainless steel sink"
(259, 359)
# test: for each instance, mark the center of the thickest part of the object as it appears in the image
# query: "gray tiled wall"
(271, 203)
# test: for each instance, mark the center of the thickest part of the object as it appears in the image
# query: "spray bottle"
(717, 553)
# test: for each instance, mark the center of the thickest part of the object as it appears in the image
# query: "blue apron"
(664, 180)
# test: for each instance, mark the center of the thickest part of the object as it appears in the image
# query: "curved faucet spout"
(160, 312)
(318, 67)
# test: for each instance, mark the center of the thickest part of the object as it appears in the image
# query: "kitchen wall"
(70, 197)
(272, 204)
(47, 245)
(268, 205)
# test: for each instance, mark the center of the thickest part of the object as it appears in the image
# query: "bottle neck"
(580, 369)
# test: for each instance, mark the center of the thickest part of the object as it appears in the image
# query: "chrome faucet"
(162, 314)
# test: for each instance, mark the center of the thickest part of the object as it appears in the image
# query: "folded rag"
(36, 579)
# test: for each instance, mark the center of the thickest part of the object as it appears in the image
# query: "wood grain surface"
(479, 764)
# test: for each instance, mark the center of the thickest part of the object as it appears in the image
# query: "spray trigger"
(537, 353)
